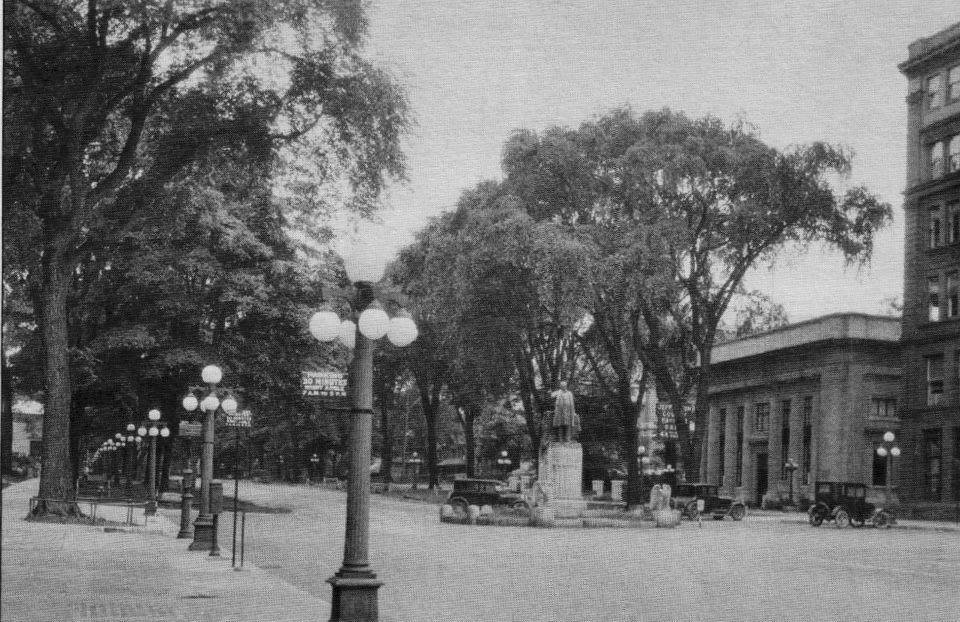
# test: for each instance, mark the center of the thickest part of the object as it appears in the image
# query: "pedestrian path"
(137, 573)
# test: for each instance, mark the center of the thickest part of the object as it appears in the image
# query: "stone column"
(713, 447)
(775, 449)
(746, 464)
(730, 452)
(795, 450)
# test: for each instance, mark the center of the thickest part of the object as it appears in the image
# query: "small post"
(214, 545)
(243, 533)
(186, 504)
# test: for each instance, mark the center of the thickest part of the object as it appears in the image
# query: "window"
(932, 464)
(953, 294)
(953, 154)
(761, 417)
(879, 467)
(953, 83)
(953, 213)
(935, 91)
(936, 226)
(883, 408)
(934, 379)
(933, 293)
(807, 437)
(936, 160)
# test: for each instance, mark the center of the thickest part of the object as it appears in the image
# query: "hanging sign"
(324, 383)
(191, 430)
(239, 419)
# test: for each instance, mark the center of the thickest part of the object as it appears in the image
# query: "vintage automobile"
(467, 492)
(845, 503)
(685, 497)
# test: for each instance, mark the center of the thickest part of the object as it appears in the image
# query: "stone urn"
(665, 517)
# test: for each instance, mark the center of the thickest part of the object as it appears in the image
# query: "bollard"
(216, 507)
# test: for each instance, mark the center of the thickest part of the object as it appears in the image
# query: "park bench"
(93, 503)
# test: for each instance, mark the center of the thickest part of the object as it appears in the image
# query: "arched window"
(954, 157)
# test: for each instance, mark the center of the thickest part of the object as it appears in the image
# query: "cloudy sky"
(798, 71)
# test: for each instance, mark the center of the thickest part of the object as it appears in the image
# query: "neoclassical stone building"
(820, 392)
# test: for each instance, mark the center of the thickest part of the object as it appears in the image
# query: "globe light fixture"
(229, 405)
(190, 402)
(164, 432)
(154, 431)
(374, 321)
(895, 452)
(211, 374)
(118, 436)
(130, 438)
(142, 431)
(882, 452)
(348, 334)
(154, 415)
(210, 403)
(325, 325)
(131, 427)
(403, 330)
(889, 436)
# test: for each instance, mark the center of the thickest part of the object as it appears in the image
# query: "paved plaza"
(764, 568)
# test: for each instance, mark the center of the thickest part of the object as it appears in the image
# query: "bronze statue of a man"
(565, 419)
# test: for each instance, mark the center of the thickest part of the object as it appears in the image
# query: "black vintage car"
(845, 503)
(468, 492)
(685, 497)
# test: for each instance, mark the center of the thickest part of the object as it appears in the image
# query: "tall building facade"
(930, 399)
(803, 403)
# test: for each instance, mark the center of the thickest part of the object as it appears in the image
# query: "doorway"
(761, 481)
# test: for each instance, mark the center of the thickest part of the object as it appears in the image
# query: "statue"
(566, 423)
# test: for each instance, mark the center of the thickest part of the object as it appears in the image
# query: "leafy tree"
(760, 315)
(93, 95)
(721, 201)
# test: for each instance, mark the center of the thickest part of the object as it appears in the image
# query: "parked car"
(468, 492)
(684, 497)
(845, 503)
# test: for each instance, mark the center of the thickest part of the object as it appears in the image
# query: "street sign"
(325, 383)
(239, 419)
(191, 430)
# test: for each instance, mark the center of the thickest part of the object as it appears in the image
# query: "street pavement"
(140, 573)
(767, 567)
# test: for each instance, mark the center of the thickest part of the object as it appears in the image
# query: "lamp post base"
(354, 598)
(150, 509)
(202, 534)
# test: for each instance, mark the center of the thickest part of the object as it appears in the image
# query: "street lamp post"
(157, 428)
(504, 461)
(314, 461)
(204, 525)
(889, 451)
(355, 585)
(791, 465)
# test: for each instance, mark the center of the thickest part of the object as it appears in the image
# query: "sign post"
(236, 420)
(188, 432)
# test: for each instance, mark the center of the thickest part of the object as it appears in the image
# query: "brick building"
(820, 392)
(930, 401)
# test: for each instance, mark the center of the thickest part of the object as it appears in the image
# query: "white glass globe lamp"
(210, 403)
(325, 325)
(211, 374)
(142, 431)
(374, 321)
(403, 330)
(229, 405)
(190, 402)
(164, 432)
(889, 437)
(882, 452)
(131, 427)
(154, 415)
(895, 452)
(347, 334)
(154, 431)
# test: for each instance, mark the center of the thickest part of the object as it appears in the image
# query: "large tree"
(90, 89)
(719, 200)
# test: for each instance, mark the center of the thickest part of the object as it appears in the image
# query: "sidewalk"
(140, 573)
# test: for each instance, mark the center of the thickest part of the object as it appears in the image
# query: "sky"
(797, 71)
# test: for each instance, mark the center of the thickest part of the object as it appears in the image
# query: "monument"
(561, 463)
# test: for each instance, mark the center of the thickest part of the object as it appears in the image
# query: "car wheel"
(738, 511)
(881, 520)
(459, 504)
(856, 522)
(520, 505)
(816, 517)
(693, 513)
(718, 517)
(842, 519)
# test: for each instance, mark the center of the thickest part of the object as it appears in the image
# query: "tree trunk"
(6, 414)
(56, 485)
(429, 402)
(628, 420)
(386, 444)
(469, 438)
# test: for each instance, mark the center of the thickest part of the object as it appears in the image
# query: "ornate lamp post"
(889, 451)
(157, 428)
(504, 461)
(203, 527)
(790, 466)
(314, 461)
(355, 585)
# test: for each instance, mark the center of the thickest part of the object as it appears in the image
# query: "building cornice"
(931, 50)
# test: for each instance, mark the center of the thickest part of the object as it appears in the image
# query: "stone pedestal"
(562, 478)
